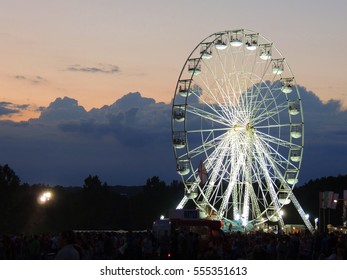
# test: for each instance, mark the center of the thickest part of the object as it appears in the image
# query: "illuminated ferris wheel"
(238, 130)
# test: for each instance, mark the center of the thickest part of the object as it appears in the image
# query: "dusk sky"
(61, 59)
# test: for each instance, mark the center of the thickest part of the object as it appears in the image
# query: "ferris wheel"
(238, 130)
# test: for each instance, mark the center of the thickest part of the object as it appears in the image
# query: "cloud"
(132, 120)
(325, 137)
(62, 109)
(32, 79)
(124, 143)
(8, 108)
(101, 68)
(130, 140)
(20, 77)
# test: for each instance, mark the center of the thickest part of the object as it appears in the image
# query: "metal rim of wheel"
(238, 129)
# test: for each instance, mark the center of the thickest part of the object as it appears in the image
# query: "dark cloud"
(131, 135)
(130, 140)
(20, 77)
(38, 80)
(7, 108)
(31, 79)
(62, 109)
(133, 99)
(132, 120)
(101, 68)
(325, 137)
(23, 106)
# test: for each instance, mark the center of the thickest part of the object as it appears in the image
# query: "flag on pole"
(326, 199)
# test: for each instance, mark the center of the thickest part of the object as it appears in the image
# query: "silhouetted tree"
(155, 183)
(8, 178)
(99, 206)
(93, 183)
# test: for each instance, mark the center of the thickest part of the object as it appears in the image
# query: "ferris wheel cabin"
(235, 38)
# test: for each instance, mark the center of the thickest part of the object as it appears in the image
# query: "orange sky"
(148, 42)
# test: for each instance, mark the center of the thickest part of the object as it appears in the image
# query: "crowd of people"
(89, 245)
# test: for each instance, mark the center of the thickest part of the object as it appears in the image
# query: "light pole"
(344, 209)
(316, 223)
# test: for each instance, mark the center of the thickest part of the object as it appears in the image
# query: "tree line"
(98, 206)
(94, 206)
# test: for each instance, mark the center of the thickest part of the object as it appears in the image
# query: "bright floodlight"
(48, 194)
(44, 197)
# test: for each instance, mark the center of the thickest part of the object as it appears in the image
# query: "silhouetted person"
(68, 249)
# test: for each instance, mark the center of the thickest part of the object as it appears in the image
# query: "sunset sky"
(97, 51)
